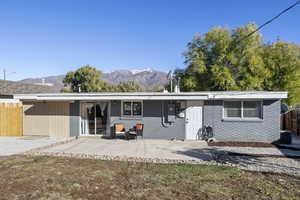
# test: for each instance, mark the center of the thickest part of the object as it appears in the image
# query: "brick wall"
(265, 130)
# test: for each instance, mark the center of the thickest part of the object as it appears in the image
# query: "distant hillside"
(56, 81)
(11, 87)
(148, 78)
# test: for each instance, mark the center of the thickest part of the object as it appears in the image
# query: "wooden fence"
(11, 116)
(291, 121)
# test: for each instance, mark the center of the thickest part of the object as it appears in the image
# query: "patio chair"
(136, 131)
(139, 129)
(119, 129)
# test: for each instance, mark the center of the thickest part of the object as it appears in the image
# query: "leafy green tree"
(224, 59)
(283, 62)
(88, 79)
(157, 88)
(129, 86)
(66, 90)
(85, 79)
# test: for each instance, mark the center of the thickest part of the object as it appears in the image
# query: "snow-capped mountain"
(148, 78)
(136, 71)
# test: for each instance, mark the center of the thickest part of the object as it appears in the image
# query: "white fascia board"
(25, 97)
(152, 96)
(282, 95)
(87, 98)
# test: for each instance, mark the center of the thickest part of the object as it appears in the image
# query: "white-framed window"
(242, 110)
(132, 108)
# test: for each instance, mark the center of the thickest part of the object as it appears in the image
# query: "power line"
(261, 26)
(271, 20)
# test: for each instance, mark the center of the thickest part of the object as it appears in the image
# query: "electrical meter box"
(171, 112)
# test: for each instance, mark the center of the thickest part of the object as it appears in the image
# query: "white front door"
(193, 119)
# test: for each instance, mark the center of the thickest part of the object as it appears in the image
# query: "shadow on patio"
(245, 161)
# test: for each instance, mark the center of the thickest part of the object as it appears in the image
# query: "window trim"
(132, 116)
(242, 118)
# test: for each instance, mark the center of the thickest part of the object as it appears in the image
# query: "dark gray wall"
(265, 130)
(152, 120)
(74, 118)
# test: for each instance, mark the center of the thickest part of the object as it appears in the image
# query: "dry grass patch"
(42, 177)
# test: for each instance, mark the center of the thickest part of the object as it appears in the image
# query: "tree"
(65, 90)
(129, 86)
(88, 79)
(224, 59)
(85, 79)
(283, 61)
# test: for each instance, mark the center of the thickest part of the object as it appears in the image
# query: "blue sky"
(51, 37)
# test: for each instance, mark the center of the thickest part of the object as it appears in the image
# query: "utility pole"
(171, 79)
(4, 79)
(5, 74)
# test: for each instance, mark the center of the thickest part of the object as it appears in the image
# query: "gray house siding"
(266, 130)
(74, 118)
(152, 120)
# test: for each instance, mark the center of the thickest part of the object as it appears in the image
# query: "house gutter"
(153, 96)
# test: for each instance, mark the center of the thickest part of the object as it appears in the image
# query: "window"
(132, 108)
(252, 109)
(137, 108)
(232, 109)
(243, 109)
(127, 108)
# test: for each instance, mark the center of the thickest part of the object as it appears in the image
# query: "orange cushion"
(139, 126)
(119, 127)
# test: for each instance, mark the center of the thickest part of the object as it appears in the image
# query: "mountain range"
(13, 87)
(147, 78)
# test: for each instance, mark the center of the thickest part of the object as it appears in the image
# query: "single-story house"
(233, 115)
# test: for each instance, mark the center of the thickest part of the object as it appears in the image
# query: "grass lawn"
(43, 177)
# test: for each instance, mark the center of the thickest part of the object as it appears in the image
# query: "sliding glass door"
(93, 118)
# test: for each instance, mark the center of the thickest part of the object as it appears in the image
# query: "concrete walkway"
(18, 145)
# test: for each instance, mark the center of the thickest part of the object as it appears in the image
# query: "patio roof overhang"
(152, 96)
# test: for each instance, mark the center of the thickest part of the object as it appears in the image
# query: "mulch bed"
(242, 144)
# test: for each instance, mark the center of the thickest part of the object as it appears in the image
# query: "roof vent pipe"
(176, 89)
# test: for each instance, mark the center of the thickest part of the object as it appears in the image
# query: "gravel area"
(265, 164)
(261, 164)
(260, 151)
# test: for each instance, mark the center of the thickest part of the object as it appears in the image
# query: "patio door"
(193, 119)
(93, 118)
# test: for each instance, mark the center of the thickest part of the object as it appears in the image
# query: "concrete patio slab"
(18, 145)
(149, 149)
(164, 151)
